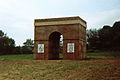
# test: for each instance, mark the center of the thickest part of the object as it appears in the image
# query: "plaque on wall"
(40, 48)
(70, 47)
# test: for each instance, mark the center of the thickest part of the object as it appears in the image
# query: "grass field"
(98, 66)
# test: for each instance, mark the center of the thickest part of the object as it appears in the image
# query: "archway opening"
(55, 46)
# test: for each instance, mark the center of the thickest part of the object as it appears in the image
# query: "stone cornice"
(60, 21)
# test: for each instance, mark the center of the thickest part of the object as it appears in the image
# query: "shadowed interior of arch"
(55, 46)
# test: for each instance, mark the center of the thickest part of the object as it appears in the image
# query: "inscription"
(70, 47)
(40, 48)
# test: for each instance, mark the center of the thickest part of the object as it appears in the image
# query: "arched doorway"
(55, 46)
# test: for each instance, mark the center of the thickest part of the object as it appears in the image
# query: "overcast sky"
(17, 16)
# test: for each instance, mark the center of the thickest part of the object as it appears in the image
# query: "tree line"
(106, 38)
(7, 45)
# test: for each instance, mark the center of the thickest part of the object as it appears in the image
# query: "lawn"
(102, 66)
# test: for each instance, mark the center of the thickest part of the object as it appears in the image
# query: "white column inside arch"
(61, 40)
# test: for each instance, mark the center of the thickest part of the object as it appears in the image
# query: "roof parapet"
(60, 21)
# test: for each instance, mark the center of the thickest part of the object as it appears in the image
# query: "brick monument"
(47, 33)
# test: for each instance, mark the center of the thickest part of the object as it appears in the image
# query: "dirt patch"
(102, 69)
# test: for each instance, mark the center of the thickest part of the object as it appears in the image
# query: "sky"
(17, 16)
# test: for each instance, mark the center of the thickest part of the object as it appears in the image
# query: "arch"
(47, 38)
(54, 45)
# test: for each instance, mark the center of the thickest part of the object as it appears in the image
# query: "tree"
(1, 33)
(29, 43)
(105, 37)
(18, 50)
(7, 44)
(93, 39)
(28, 46)
(116, 35)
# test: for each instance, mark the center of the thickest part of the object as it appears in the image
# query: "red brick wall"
(72, 33)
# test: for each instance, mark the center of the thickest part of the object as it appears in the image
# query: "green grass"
(16, 57)
(23, 67)
(103, 54)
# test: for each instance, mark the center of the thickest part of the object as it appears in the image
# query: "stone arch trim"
(55, 32)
